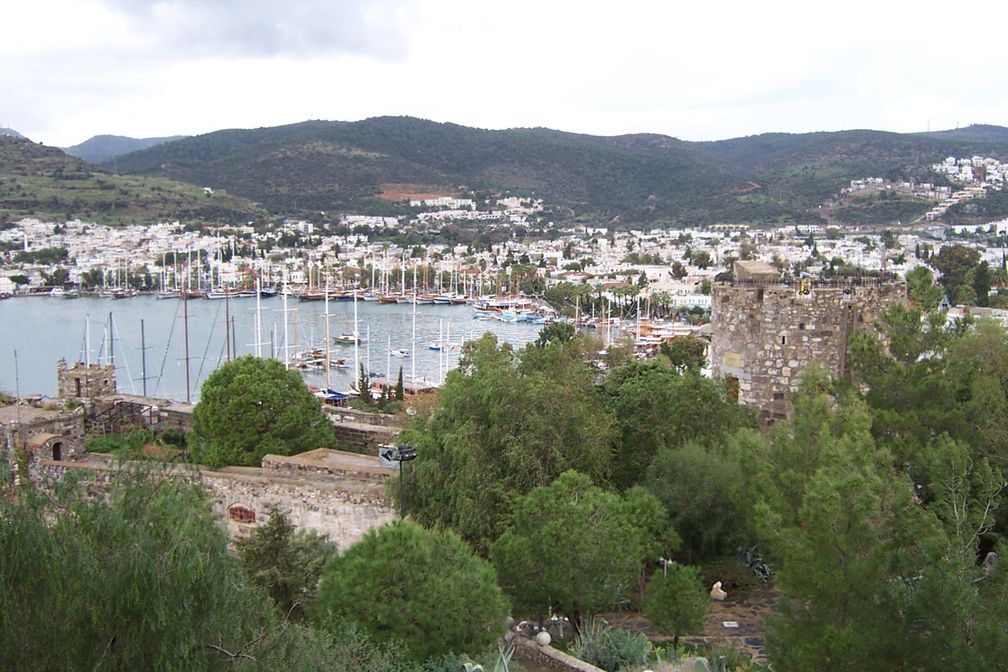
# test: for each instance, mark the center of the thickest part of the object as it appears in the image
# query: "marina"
(145, 336)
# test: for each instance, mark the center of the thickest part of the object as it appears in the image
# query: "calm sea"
(42, 329)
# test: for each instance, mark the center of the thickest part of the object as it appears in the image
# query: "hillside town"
(669, 267)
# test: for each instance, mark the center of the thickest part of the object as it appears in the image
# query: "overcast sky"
(693, 69)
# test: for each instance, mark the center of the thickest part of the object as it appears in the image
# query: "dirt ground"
(749, 611)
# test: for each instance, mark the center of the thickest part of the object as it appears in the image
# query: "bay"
(42, 329)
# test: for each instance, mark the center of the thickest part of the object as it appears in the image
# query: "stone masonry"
(82, 381)
(339, 495)
(43, 432)
(765, 331)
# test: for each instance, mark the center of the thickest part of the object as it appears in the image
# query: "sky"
(695, 70)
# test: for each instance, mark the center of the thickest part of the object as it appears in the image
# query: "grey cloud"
(377, 28)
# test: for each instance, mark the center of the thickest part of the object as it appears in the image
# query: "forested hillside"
(330, 165)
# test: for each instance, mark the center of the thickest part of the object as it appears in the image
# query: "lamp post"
(403, 453)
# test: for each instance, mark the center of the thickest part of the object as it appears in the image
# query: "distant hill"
(973, 133)
(638, 178)
(41, 181)
(102, 148)
(10, 133)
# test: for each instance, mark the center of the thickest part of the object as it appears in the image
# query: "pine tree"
(362, 386)
(399, 390)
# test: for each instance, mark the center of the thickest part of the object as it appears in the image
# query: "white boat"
(347, 339)
(399, 352)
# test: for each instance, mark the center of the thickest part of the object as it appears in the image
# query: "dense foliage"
(656, 406)
(284, 562)
(142, 581)
(250, 407)
(869, 544)
(508, 422)
(573, 546)
(425, 588)
(612, 649)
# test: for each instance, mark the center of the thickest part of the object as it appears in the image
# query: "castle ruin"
(766, 330)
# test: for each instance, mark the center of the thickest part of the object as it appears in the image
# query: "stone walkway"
(749, 613)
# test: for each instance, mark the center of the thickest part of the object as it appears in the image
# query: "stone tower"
(766, 330)
(81, 381)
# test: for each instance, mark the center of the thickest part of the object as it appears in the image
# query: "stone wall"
(526, 650)
(314, 465)
(363, 431)
(43, 432)
(352, 415)
(343, 510)
(765, 334)
(358, 430)
(340, 513)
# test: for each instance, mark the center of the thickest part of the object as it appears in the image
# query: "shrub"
(676, 601)
(425, 588)
(612, 649)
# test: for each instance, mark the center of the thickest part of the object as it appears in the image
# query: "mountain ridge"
(648, 177)
(41, 181)
(102, 148)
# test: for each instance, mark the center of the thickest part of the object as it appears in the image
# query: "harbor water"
(42, 329)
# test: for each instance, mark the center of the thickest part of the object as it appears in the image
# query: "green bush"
(676, 601)
(612, 649)
(423, 588)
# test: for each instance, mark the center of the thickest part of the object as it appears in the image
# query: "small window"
(733, 387)
(240, 514)
(783, 340)
(801, 326)
(778, 396)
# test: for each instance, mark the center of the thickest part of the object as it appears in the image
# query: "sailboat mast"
(328, 383)
(185, 322)
(356, 337)
(143, 356)
(414, 346)
(227, 321)
(258, 324)
(286, 342)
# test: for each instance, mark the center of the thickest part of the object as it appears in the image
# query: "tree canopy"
(424, 588)
(250, 407)
(676, 601)
(576, 547)
(655, 406)
(284, 562)
(141, 580)
(508, 422)
(866, 548)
